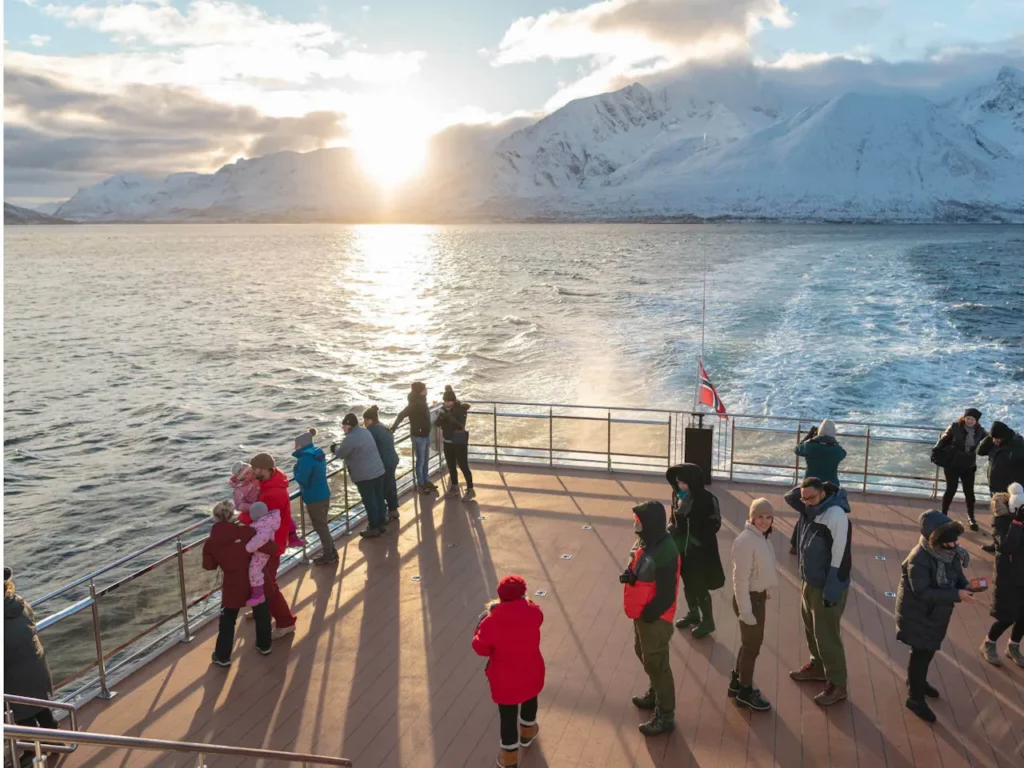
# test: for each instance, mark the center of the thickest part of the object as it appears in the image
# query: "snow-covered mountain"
(14, 214)
(737, 148)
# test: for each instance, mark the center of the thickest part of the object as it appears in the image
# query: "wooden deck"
(381, 670)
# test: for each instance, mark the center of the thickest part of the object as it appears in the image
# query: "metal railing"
(18, 748)
(41, 736)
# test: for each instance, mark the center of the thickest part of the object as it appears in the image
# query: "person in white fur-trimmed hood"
(1008, 576)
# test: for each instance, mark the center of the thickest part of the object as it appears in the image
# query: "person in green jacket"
(823, 455)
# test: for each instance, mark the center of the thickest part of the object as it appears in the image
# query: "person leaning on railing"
(365, 468)
(452, 421)
(956, 453)
(823, 455)
(311, 475)
(26, 672)
(388, 455)
(225, 548)
(418, 413)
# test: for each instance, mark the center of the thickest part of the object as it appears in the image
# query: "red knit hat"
(511, 588)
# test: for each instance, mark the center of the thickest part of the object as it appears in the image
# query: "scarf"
(946, 574)
(968, 440)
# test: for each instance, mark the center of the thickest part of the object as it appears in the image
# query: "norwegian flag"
(708, 395)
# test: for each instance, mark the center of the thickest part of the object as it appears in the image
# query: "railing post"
(348, 509)
(609, 444)
(796, 457)
(668, 454)
(302, 528)
(867, 452)
(105, 693)
(551, 437)
(495, 412)
(732, 445)
(39, 761)
(184, 593)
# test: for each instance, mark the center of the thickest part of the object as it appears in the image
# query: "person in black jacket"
(1008, 578)
(695, 523)
(1005, 451)
(418, 413)
(26, 672)
(452, 421)
(956, 452)
(931, 584)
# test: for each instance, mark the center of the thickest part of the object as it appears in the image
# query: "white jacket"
(753, 566)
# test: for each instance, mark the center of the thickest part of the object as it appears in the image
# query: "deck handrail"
(42, 735)
(28, 701)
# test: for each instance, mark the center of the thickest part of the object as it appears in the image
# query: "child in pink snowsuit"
(266, 524)
(247, 490)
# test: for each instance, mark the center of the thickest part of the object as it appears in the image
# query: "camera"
(627, 577)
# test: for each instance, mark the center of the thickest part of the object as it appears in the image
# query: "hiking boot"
(691, 619)
(751, 698)
(989, 653)
(929, 690)
(808, 673)
(371, 533)
(527, 733)
(920, 708)
(453, 492)
(470, 495)
(326, 559)
(832, 694)
(1013, 654)
(508, 758)
(658, 724)
(647, 701)
(990, 548)
(220, 662)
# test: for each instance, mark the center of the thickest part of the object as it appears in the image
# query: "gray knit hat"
(258, 510)
(306, 438)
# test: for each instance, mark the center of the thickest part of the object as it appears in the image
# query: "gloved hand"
(334, 448)
(748, 618)
(483, 616)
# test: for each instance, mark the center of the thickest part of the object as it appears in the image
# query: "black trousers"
(1001, 626)
(42, 719)
(964, 478)
(226, 635)
(458, 456)
(917, 672)
(511, 714)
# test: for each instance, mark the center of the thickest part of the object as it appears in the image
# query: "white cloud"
(38, 40)
(799, 60)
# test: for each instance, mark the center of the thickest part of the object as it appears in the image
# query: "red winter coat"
(510, 636)
(274, 493)
(225, 549)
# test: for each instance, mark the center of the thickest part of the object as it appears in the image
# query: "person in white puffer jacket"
(754, 580)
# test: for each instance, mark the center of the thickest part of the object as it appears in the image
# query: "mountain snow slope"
(16, 215)
(997, 109)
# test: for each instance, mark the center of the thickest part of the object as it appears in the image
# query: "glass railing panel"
(138, 605)
(199, 583)
(580, 435)
(901, 461)
(480, 425)
(765, 448)
(634, 439)
(70, 646)
(523, 432)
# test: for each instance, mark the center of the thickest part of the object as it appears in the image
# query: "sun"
(390, 144)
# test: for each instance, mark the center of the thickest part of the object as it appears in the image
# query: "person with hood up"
(508, 634)
(1008, 577)
(650, 589)
(753, 581)
(26, 672)
(956, 452)
(274, 493)
(225, 548)
(388, 455)
(694, 525)
(366, 470)
(452, 421)
(418, 413)
(1005, 451)
(824, 536)
(311, 475)
(823, 455)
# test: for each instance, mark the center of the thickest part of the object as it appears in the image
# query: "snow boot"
(989, 653)
(527, 733)
(256, 596)
(1013, 654)
(508, 758)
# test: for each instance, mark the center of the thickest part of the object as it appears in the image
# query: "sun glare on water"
(391, 146)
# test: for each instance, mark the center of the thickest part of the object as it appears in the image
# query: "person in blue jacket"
(386, 447)
(311, 475)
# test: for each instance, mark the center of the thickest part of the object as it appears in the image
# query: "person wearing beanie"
(823, 454)
(452, 421)
(932, 582)
(649, 594)
(1008, 575)
(274, 494)
(388, 455)
(418, 413)
(26, 672)
(956, 453)
(311, 475)
(825, 537)
(225, 549)
(508, 634)
(753, 581)
(1005, 451)
(694, 525)
(365, 468)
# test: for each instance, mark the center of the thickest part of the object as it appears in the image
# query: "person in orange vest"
(651, 583)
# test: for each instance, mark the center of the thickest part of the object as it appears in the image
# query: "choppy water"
(141, 361)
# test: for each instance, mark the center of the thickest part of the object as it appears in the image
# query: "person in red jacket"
(509, 635)
(225, 549)
(274, 493)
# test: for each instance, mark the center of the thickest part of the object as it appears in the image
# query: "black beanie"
(372, 413)
(350, 420)
(1000, 431)
(449, 394)
(7, 573)
(973, 412)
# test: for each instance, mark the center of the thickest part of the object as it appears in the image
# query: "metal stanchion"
(105, 693)
(184, 593)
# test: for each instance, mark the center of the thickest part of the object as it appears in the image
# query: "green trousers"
(821, 626)
(651, 643)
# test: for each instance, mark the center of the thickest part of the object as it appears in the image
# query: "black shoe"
(921, 709)
(792, 549)
(658, 724)
(990, 548)
(692, 619)
(647, 701)
(264, 651)
(372, 533)
(734, 684)
(751, 698)
(220, 662)
(973, 525)
(929, 690)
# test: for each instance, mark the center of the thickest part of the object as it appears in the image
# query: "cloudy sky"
(98, 87)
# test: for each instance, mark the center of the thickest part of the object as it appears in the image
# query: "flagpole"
(704, 295)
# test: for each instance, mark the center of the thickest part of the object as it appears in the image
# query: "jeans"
(390, 489)
(651, 644)
(821, 625)
(226, 634)
(372, 494)
(421, 458)
(917, 672)
(318, 511)
(511, 716)
(751, 638)
(965, 478)
(457, 457)
(1001, 626)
